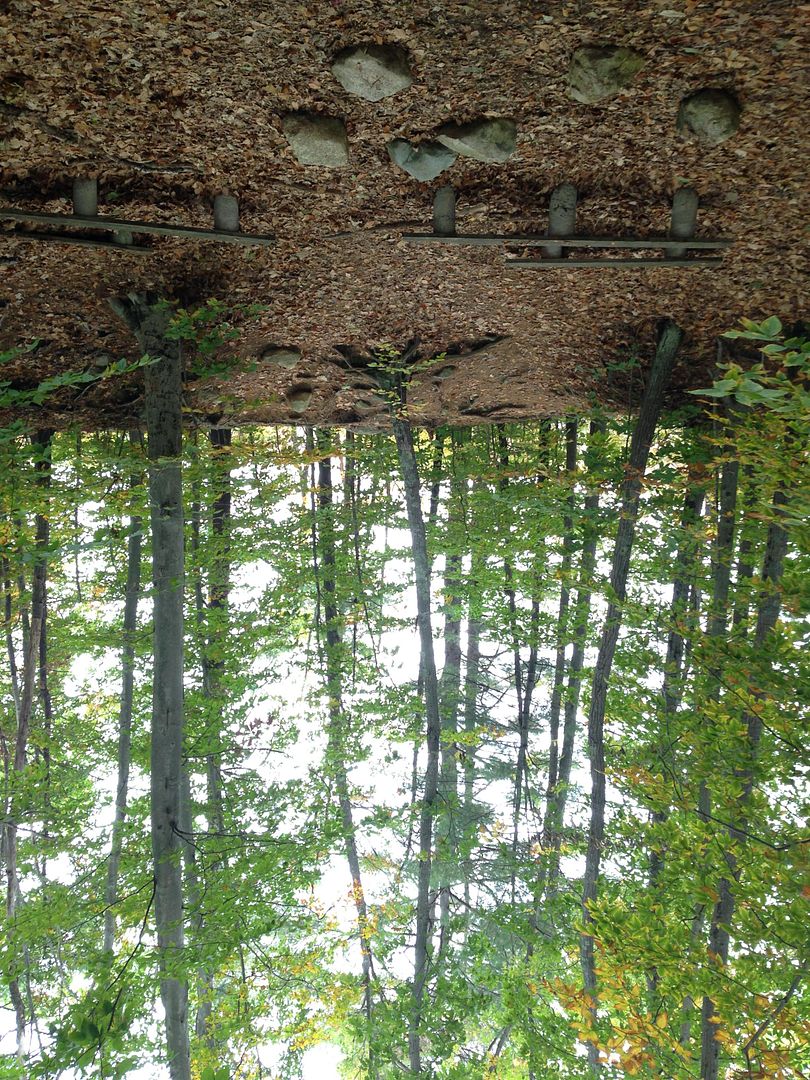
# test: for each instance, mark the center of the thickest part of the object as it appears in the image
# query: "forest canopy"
(468, 752)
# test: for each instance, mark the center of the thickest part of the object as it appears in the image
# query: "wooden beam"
(226, 213)
(562, 216)
(683, 221)
(662, 243)
(85, 197)
(621, 264)
(81, 241)
(444, 211)
(112, 224)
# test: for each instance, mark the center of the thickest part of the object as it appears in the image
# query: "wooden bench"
(85, 217)
(560, 236)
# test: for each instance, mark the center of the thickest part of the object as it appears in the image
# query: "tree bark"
(768, 609)
(449, 696)
(651, 405)
(336, 735)
(41, 443)
(212, 622)
(131, 595)
(555, 707)
(163, 395)
(582, 610)
(672, 687)
(716, 625)
(410, 478)
(472, 674)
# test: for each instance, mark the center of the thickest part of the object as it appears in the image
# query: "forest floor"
(169, 105)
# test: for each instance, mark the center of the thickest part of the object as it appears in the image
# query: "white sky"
(378, 779)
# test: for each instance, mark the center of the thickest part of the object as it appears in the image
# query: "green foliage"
(779, 382)
(273, 939)
(13, 398)
(209, 328)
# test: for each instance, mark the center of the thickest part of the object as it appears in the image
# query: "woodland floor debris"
(170, 108)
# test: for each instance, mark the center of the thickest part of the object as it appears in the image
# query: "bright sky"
(319, 1062)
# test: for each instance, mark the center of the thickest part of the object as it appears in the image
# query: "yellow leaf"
(662, 1020)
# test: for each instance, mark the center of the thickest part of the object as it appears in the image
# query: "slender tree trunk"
(43, 472)
(651, 405)
(336, 737)
(503, 455)
(449, 695)
(472, 675)
(212, 621)
(8, 610)
(582, 611)
(716, 626)
(745, 566)
(410, 477)
(41, 443)
(524, 688)
(672, 688)
(521, 785)
(164, 428)
(131, 595)
(219, 589)
(720, 932)
(555, 707)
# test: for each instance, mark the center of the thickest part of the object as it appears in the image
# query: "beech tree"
(466, 753)
(164, 427)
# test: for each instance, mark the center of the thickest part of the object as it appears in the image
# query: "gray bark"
(768, 609)
(562, 618)
(672, 688)
(581, 618)
(336, 736)
(651, 405)
(449, 696)
(41, 441)
(211, 616)
(472, 674)
(524, 689)
(164, 429)
(410, 478)
(131, 595)
(716, 625)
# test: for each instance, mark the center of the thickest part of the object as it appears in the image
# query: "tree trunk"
(582, 610)
(212, 621)
(682, 585)
(41, 443)
(651, 405)
(555, 707)
(524, 690)
(716, 625)
(472, 674)
(336, 735)
(410, 477)
(219, 588)
(43, 472)
(131, 594)
(164, 428)
(449, 695)
(672, 688)
(768, 609)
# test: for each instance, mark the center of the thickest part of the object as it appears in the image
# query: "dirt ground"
(169, 105)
